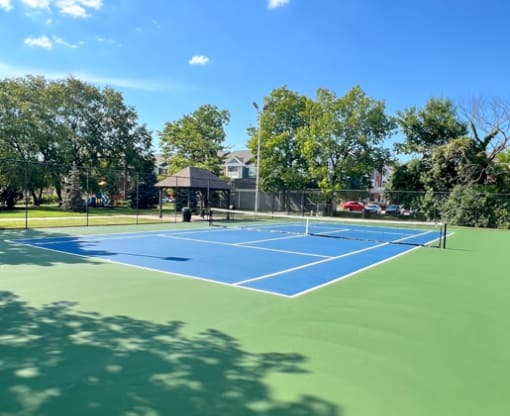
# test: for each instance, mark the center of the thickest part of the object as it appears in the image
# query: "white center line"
(300, 253)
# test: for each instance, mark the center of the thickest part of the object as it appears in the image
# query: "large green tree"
(196, 140)
(344, 140)
(434, 140)
(50, 125)
(464, 154)
(433, 125)
(283, 166)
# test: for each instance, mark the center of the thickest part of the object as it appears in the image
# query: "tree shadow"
(63, 249)
(12, 253)
(56, 361)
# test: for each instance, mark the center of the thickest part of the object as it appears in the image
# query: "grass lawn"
(53, 216)
(424, 334)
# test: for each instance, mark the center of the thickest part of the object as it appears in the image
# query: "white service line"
(241, 246)
(271, 239)
(304, 266)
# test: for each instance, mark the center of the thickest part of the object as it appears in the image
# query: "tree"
(405, 185)
(282, 165)
(73, 198)
(489, 122)
(143, 194)
(23, 131)
(196, 140)
(432, 126)
(461, 160)
(9, 196)
(436, 139)
(53, 124)
(344, 138)
(502, 171)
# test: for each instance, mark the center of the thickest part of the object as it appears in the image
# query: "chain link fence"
(36, 194)
(467, 207)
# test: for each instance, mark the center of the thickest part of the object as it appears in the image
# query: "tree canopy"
(195, 140)
(282, 163)
(330, 142)
(459, 156)
(55, 124)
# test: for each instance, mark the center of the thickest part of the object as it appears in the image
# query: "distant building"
(378, 181)
(239, 164)
(161, 166)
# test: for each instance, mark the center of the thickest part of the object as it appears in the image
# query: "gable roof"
(192, 177)
(244, 156)
(234, 161)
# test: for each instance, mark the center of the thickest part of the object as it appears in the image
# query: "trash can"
(186, 214)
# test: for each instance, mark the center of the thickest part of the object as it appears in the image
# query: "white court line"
(345, 276)
(270, 239)
(304, 266)
(242, 246)
(173, 274)
(112, 236)
(235, 285)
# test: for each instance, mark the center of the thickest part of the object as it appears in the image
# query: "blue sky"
(168, 57)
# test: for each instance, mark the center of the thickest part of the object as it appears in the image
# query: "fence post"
(87, 193)
(25, 193)
(137, 194)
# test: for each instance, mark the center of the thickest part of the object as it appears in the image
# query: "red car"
(353, 206)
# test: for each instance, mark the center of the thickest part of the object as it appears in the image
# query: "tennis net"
(384, 231)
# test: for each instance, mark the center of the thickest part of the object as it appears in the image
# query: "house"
(161, 166)
(239, 164)
(378, 181)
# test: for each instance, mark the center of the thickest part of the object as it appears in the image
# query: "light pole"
(257, 173)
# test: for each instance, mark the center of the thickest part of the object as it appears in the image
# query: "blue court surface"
(271, 262)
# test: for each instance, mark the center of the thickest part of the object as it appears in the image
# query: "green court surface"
(427, 333)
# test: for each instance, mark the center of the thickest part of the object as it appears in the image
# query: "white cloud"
(62, 42)
(199, 60)
(46, 43)
(37, 4)
(78, 8)
(274, 4)
(6, 5)
(108, 41)
(73, 8)
(40, 42)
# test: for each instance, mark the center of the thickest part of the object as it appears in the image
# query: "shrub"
(467, 206)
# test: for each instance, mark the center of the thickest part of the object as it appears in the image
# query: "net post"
(307, 226)
(445, 231)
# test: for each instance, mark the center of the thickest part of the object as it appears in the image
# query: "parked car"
(392, 209)
(353, 206)
(372, 209)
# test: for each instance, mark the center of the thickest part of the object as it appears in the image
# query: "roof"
(192, 177)
(244, 156)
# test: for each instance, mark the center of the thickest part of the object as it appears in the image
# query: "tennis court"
(282, 255)
(119, 321)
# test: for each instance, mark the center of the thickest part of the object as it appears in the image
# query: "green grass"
(424, 334)
(53, 216)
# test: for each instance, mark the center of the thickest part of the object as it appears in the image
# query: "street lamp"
(257, 173)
